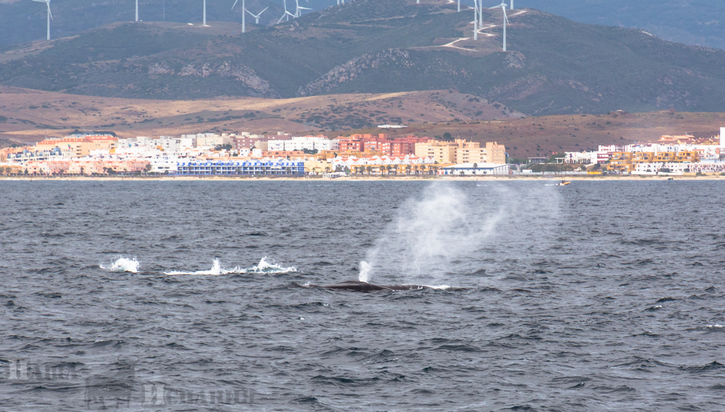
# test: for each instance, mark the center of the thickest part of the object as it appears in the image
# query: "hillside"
(28, 116)
(554, 65)
(695, 22)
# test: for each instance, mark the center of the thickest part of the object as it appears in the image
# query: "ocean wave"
(122, 264)
(264, 266)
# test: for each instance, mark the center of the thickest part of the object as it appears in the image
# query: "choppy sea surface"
(170, 295)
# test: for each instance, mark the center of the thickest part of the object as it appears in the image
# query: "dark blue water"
(595, 296)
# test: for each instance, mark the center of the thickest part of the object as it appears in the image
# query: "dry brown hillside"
(29, 115)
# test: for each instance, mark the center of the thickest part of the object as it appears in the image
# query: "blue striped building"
(245, 168)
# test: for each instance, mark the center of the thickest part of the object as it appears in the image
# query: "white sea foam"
(438, 287)
(122, 264)
(264, 266)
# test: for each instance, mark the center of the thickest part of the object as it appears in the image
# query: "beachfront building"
(409, 164)
(651, 162)
(84, 166)
(240, 168)
(475, 169)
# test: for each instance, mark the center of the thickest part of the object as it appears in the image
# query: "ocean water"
(200, 295)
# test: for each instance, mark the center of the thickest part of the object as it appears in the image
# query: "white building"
(176, 144)
(473, 169)
(166, 163)
(210, 140)
(299, 143)
(605, 152)
(581, 157)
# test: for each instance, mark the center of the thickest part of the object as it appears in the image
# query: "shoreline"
(363, 178)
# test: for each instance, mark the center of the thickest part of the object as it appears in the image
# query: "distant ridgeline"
(552, 66)
(698, 23)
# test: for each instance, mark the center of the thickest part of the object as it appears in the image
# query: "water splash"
(267, 266)
(122, 264)
(264, 266)
(216, 269)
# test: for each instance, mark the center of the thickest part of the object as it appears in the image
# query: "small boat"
(563, 183)
(670, 178)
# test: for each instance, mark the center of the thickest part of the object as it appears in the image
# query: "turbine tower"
(256, 16)
(50, 15)
(244, 25)
(204, 18)
(475, 19)
(505, 20)
(512, 5)
(136, 10)
(480, 13)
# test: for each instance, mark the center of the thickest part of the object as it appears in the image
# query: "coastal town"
(287, 155)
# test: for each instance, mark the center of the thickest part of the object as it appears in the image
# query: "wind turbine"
(298, 8)
(50, 15)
(256, 16)
(243, 15)
(286, 14)
(505, 20)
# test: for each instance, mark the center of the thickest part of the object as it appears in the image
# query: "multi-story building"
(651, 162)
(241, 168)
(605, 152)
(441, 152)
(300, 143)
(381, 144)
(79, 145)
(210, 140)
(461, 151)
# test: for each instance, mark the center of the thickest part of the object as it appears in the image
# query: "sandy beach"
(592, 178)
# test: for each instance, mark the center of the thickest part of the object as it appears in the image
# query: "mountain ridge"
(553, 66)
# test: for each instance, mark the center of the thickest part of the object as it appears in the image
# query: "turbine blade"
(260, 13)
(235, 3)
(49, 13)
